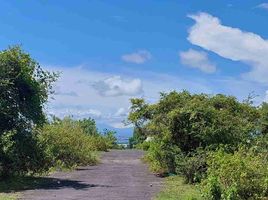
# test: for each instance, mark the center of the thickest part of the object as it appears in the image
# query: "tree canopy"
(24, 89)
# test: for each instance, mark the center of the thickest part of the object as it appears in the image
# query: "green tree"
(24, 90)
(89, 126)
(192, 121)
(264, 118)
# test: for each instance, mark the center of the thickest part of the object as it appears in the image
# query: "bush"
(161, 157)
(21, 153)
(192, 167)
(238, 176)
(97, 143)
(24, 89)
(66, 144)
(110, 139)
(144, 145)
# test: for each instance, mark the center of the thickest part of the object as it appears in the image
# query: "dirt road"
(120, 176)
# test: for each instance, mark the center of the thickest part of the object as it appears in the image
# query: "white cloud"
(231, 43)
(121, 112)
(197, 59)
(112, 110)
(76, 112)
(138, 57)
(263, 6)
(116, 86)
(120, 125)
(75, 95)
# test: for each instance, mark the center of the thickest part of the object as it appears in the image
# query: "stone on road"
(120, 176)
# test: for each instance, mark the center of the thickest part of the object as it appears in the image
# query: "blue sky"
(111, 50)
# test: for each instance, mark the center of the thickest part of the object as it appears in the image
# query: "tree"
(198, 120)
(186, 122)
(24, 90)
(89, 126)
(264, 119)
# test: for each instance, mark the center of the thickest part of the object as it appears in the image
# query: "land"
(121, 175)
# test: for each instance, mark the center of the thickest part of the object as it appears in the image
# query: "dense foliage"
(66, 144)
(29, 143)
(24, 89)
(189, 129)
(238, 176)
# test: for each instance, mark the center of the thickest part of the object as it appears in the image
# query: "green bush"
(238, 176)
(24, 89)
(161, 157)
(144, 145)
(21, 153)
(192, 167)
(66, 144)
(110, 139)
(97, 143)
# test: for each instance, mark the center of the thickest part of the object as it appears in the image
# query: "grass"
(176, 189)
(9, 196)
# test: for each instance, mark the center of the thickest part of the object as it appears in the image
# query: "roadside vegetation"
(30, 143)
(214, 142)
(175, 188)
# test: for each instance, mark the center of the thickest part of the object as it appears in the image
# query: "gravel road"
(120, 176)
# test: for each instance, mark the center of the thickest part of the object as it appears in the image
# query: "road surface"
(120, 176)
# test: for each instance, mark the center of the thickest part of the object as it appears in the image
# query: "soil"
(121, 175)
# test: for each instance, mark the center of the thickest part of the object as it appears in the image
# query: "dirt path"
(120, 176)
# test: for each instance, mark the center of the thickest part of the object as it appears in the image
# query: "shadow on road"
(46, 183)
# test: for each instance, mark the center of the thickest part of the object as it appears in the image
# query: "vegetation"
(215, 141)
(239, 175)
(30, 143)
(8, 196)
(175, 189)
(24, 89)
(66, 144)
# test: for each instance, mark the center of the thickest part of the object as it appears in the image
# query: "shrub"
(67, 144)
(192, 167)
(98, 143)
(24, 89)
(144, 145)
(110, 139)
(161, 157)
(242, 175)
(21, 153)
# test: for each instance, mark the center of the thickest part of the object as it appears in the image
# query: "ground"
(120, 176)
(176, 189)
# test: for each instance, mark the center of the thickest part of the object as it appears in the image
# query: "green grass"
(176, 189)
(9, 196)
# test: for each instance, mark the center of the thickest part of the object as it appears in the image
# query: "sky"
(109, 51)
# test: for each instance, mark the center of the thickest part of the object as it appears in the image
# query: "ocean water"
(122, 138)
(122, 134)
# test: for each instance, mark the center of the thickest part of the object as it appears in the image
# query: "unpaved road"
(120, 176)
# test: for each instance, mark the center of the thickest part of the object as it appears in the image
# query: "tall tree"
(24, 90)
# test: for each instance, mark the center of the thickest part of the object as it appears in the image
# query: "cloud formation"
(121, 112)
(197, 59)
(76, 112)
(138, 57)
(112, 110)
(263, 6)
(116, 86)
(231, 43)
